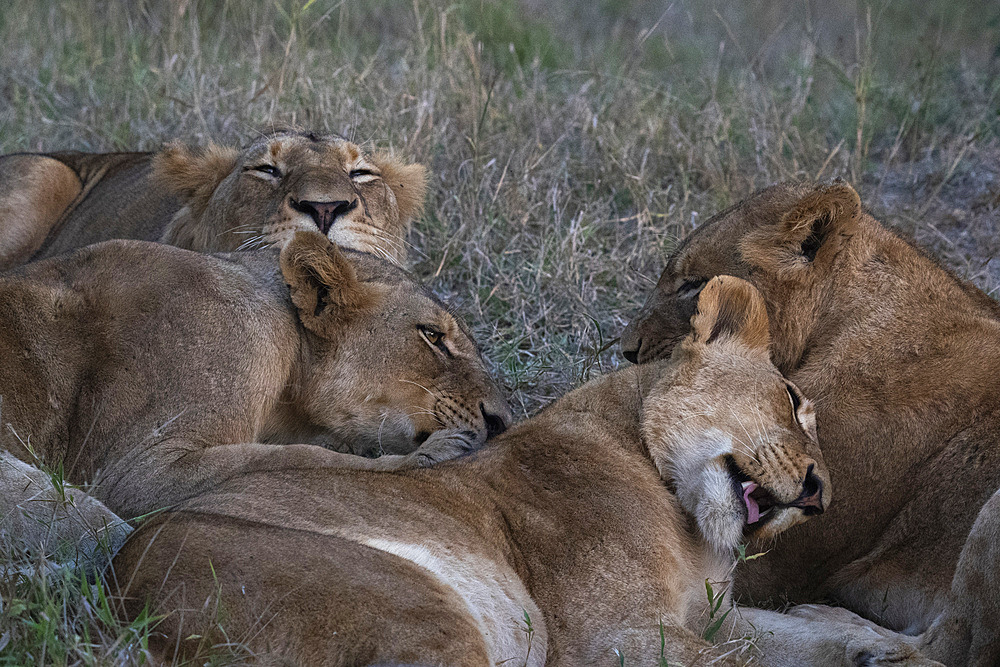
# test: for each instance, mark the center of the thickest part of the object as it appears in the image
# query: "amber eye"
(433, 336)
(268, 169)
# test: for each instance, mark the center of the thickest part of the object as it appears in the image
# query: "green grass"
(571, 144)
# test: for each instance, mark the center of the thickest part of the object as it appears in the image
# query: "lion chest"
(492, 593)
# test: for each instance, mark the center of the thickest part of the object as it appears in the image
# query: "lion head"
(785, 239)
(387, 363)
(735, 438)
(286, 182)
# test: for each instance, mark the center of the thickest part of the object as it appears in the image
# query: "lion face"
(388, 364)
(735, 439)
(288, 182)
(783, 239)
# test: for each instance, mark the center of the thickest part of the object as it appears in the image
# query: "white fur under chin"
(704, 487)
(718, 516)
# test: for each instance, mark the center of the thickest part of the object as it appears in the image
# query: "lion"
(213, 199)
(587, 531)
(902, 357)
(150, 372)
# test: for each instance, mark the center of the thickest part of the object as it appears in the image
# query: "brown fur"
(207, 199)
(38, 190)
(565, 522)
(151, 372)
(902, 358)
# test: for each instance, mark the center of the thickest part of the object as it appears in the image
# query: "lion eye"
(691, 287)
(362, 175)
(794, 399)
(434, 337)
(268, 169)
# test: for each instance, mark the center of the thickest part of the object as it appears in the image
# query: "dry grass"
(571, 143)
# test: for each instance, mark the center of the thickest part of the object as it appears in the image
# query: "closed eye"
(691, 287)
(268, 169)
(794, 399)
(362, 175)
(796, 402)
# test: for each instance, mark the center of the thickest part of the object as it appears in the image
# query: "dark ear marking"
(817, 234)
(322, 298)
(729, 320)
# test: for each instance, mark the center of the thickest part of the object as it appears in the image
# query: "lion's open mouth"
(758, 503)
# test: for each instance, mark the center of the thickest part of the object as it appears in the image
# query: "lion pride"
(583, 536)
(217, 198)
(902, 359)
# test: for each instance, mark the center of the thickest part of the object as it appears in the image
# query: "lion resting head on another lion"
(150, 372)
(902, 358)
(587, 531)
(214, 198)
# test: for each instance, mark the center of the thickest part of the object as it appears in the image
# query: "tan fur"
(902, 358)
(151, 372)
(194, 174)
(574, 535)
(39, 190)
(211, 198)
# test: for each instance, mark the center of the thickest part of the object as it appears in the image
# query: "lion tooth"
(746, 484)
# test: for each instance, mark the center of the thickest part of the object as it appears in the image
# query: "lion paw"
(883, 651)
(445, 445)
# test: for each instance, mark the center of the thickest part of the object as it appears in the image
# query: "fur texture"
(902, 359)
(212, 198)
(153, 372)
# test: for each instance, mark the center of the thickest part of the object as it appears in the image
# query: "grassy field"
(571, 144)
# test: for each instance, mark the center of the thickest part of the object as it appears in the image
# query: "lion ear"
(812, 229)
(408, 183)
(194, 174)
(730, 309)
(323, 283)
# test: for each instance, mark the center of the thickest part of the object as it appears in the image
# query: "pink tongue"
(753, 511)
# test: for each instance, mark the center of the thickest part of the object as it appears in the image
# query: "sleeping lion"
(217, 198)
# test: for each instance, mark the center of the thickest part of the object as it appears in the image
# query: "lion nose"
(631, 344)
(496, 419)
(630, 350)
(325, 213)
(811, 498)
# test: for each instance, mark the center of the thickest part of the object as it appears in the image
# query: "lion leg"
(968, 631)
(823, 637)
(35, 191)
(190, 469)
(58, 523)
(657, 644)
(905, 581)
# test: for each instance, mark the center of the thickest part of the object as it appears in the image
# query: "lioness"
(589, 530)
(903, 359)
(217, 198)
(151, 371)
